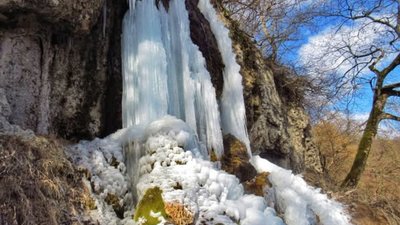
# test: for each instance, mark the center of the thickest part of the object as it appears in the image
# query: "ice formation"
(298, 200)
(97, 157)
(215, 196)
(171, 120)
(233, 112)
(171, 159)
(165, 74)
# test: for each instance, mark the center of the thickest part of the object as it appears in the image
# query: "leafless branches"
(272, 23)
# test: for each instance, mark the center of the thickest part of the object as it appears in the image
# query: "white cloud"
(331, 51)
(386, 128)
(360, 117)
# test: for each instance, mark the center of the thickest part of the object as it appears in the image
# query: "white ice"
(233, 112)
(212, 194)
(171, 120)
(165, 73)
(299, 201)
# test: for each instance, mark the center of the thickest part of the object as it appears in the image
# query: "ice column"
(164, 72)
(233, 113)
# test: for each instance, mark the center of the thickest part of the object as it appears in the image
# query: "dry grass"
(38, 185)
(178, 213)
(376, 200)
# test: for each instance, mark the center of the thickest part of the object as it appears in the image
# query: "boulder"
(235, 159)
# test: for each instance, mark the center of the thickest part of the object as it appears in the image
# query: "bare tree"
(362, 49)
(274, 24)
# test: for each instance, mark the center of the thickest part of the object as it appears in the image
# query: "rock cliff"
(277, 123)
(60, 65)
(60, 70)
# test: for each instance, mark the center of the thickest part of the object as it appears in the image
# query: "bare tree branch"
(388, 116)
(391, 66)
(391, 86)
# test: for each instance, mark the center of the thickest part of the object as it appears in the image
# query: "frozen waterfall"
(165, 73)
(172, 120)
(233, 112)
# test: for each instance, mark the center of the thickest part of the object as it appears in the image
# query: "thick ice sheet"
(165, 74)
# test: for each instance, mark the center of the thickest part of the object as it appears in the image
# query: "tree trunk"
(364, 147)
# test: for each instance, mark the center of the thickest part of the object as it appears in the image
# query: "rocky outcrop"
(290, 89)
(74, 15)
(258, 185)
(60, 65)
(60, 69)
(277, 124)
(202, 36)
(235, 159)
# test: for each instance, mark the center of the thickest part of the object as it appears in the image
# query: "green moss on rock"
(151, 201)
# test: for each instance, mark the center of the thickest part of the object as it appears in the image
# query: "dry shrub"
(376, 200)
(38, 183)
(179, 214)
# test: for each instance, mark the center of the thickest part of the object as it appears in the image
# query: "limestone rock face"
(276, 122)
(202, 36)
(5, 109)
(300, 135)
(60, 71)
(75, 15)
(60, 65)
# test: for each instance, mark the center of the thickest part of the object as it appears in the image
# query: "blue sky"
(362, 102)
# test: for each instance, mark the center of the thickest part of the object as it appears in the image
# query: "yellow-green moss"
(89, 203)
(151, 201)
(213, 156)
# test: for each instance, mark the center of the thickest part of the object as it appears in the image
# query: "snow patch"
(299, 201)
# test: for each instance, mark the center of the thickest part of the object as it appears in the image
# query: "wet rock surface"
(202, 36)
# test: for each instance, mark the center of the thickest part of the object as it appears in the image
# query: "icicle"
(233, 113)
(132, 5)
(145, 74)
(165, 73)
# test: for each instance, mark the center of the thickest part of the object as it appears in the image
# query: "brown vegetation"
(376, 199)
(178, 213)
(235, 159)
(258, 185)
(38, 184)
